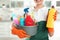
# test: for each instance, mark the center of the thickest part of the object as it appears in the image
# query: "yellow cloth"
(50, 19)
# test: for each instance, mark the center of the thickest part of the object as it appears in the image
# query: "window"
(58, 3)
(48, 3)
(17, 4)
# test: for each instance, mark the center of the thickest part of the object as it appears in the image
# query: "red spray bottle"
(28, 20)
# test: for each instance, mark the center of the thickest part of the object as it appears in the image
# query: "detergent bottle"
(15, 19)
(50, 19)
(25, 11)
(13, 15)
(28, 19)
(22, 21)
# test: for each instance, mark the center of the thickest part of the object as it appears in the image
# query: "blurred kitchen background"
(6, 7)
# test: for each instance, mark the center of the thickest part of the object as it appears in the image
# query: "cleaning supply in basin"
(25, 11)
(16, 21)
(13, 15)
(28, 19)
(22, 21)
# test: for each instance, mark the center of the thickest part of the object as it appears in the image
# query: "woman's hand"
(51, 31)
(19, 32)
(22, 34)
(51, 34)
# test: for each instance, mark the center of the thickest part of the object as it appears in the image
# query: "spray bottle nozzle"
(26, 10)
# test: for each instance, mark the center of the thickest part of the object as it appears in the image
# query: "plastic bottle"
(22, 21)
(28, 19)
(15, 19)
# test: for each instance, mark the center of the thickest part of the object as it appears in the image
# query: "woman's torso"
(41, 14)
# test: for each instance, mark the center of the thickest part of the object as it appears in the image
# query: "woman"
(40, 16)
